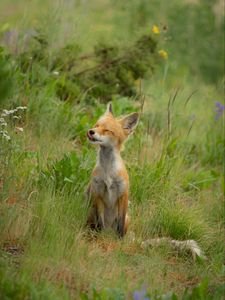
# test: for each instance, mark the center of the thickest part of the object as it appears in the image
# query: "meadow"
(61, 62)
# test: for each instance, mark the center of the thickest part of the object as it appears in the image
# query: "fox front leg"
(100, 209)
(96, 214)
(122, 215)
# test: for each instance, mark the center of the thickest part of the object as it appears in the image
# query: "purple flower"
(10, 39)
(140, 295)
(219, 110)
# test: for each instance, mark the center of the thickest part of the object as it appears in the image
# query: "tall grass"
(174, 158)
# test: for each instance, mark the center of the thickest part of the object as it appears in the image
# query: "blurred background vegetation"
(60, 63)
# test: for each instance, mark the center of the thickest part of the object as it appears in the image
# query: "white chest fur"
(107, 184)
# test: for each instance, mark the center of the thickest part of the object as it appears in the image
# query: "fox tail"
(189, 246)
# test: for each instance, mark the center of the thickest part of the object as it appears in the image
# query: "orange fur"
(109, 184)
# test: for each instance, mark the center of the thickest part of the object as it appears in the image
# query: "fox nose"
(91, 132)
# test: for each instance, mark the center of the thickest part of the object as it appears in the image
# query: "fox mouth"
(91, 138)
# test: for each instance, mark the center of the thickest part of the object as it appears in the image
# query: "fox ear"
(129, 122)
(109, 108)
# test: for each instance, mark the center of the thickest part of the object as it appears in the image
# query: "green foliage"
(174, 220)
(36, 52)
(6, 76)
(107, 72)
(105, 294)
(191, 28)
(214, 147)
(66, 58)
(70, 171)
(67, 89)
(17, 287)
(200, 292)
(183, 20)
(195, 180)
(113, 71)
(150, 178)
(20, 289)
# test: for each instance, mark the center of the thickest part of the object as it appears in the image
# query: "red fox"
(109, 185)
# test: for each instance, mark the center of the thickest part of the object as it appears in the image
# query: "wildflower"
(140, 295)
(16, 117)
(8, 112)
(3, 122)
(155, 29)
(21, 108)
(163, 54)
(5, 135)
(219, 110)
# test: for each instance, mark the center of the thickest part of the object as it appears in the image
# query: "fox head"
(110, 131)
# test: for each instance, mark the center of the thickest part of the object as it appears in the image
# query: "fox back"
(109, 184)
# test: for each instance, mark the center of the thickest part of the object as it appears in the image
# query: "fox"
(108, 189)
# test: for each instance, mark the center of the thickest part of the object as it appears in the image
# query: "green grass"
(174, 160)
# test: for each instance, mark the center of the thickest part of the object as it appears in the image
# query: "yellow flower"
(163, 54)
(155, 29)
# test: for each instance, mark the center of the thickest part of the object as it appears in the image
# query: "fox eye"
(109, 131)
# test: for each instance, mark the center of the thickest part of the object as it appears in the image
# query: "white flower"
(21, 108)
(3, 122)
(8, 112)
(5, 135)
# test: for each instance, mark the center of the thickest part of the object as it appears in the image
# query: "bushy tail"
(190, 246)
